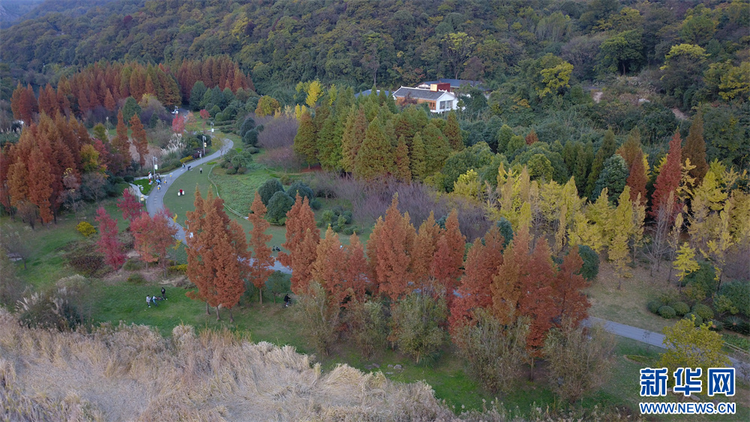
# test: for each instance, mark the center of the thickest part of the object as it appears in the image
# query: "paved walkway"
(155, 199)
(155, 202)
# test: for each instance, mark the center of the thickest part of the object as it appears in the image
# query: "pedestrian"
(163, 294)
(148, 300)
(201, 170)
(153, 299)
(287, 299)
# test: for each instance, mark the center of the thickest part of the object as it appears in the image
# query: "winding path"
(155, 202)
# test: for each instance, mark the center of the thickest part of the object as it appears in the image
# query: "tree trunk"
(231, 317)
(218, 317)
(260, 296)
(208, 312)
(531, 370)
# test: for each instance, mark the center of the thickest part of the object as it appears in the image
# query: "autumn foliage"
(262, 262)
(668, 179)
(129, 205)
(108, 243)
(153, 235)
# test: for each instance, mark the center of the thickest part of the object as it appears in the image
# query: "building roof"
(419, 93)
(369, 91)
(455, 83)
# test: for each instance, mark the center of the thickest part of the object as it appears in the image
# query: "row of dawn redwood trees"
(104, 85)
(519, 280)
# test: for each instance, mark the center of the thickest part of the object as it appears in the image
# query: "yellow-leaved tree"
(468, 186)
(620, 227)
(685, 262)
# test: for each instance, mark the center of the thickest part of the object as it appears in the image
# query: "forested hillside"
(393, 43)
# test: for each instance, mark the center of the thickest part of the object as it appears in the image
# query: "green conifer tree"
(417, 158)
(305, 140)
(375, 157)
(608, 148)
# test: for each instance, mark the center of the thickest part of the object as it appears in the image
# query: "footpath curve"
(155, 203)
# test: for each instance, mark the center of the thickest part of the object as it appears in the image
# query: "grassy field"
(628, 304)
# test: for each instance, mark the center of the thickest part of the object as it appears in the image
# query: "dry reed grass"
(133, 373)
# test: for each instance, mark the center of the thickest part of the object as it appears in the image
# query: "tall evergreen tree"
(417, 158)
(375, 157)
(351, 140)
(695, 149)
(606, 150)
(436, 149)
(403, 172)
(452, 132)
(305, 142)
(329, 145)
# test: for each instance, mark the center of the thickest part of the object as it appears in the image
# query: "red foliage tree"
(329, 268)
(153, 236)
(394, 238)
(302, 261)
(178, 124)
(121, 142)
(568, 289)
(536, 301)
(40, 183)
(129, 205)
(423, 250)
(139, 136)
(532, 137)
(260, 268)
(298, 220)
(668, 179)
(108, 243)
(506, 285)
(482, 262)
(637, 180)
(356, 267)
(205, 114)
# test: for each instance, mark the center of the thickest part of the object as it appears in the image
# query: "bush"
(278, 206)
(129, 179)
(715, 325)
(247, 125)
(86, 229)
(49, 310)
(253, 150)
(349, 231)
(241, 170)
(186, 159)
(681, 308)
(231, 170)
(701, 282)
(133, 265)
(302, 189)
(369, 326)
(318, 319)
(417, 322)
(316, 204)
(136, 279)
(703, 311)
(654, 305)
(698, 319)
(278, 284)
(495, 352)
(733, 323)
(268, 189)
(590, 268)
(177, 269)
(667, 312)
(738, 292)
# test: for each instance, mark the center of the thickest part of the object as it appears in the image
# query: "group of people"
(152, 300)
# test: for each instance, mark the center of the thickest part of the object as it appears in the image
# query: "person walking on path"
(201, 170)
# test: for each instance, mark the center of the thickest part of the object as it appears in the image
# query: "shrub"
(698, 319)
(349, 231)
(704, 277)
(186, 159)
(247, 125)
(495, 352)
(667, 312)
(417, 322)
(733, 323)
(715, 325)
(703, 311)
(253, 150)
(278, 206)
(654, 305)
(231, 170)
(136, 279)
(590, 268)
(286, 179)
(268, 189)
(177, 269)
(316, 204)
(133, 265)
(86, 262)
(723, 304)
(49, 310)
(368, 326)
(318, 319)
(278, 284)
(302, 189)
(348, 217)
(250, 138)
(738, 292)
(241, 170)
(129, 179)
(681, 308)
(86, 229)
